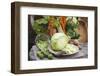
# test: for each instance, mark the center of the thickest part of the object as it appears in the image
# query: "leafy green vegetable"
(72, 26)
(50, 56)
(40, 54)
(40, 25)
(45, 52)
(42, 44)
(73, 34)
(42, 21)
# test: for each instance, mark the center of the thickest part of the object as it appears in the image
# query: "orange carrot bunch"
(51, 29)
(63, 23)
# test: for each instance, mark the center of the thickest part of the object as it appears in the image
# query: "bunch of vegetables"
(53, 24)
(60, 29)
(72, 27)
(40, 25)
(43, 52)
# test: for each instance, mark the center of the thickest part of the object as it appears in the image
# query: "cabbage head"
(59, 41)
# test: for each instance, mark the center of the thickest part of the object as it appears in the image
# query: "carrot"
(63, 23)
(51, 29)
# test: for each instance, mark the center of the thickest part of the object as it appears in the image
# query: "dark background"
(31, 36)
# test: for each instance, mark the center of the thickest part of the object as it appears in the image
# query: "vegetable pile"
(61, 30)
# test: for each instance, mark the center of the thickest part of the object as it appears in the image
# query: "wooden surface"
(83, 53)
